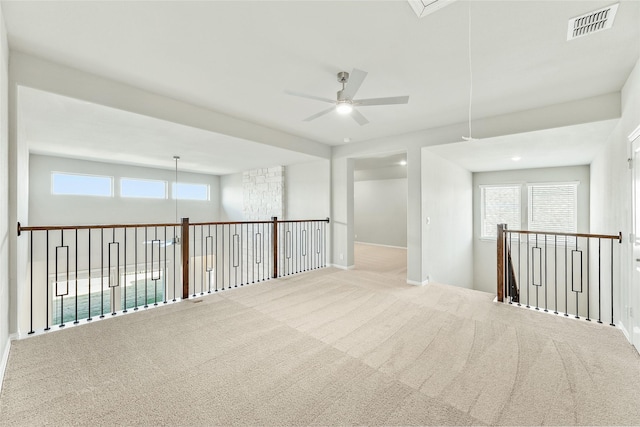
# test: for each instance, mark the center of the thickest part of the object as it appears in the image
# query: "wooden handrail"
(22, 228)
(554, 233)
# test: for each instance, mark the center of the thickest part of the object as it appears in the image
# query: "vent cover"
(592, 22)
(425, 7)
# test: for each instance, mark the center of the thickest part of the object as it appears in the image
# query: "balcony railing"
(80, 273)
(572, 274)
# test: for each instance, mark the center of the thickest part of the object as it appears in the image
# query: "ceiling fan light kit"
(344, 103)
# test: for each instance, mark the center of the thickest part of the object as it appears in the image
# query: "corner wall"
(5, 229)
(611, 196)
(447, 243)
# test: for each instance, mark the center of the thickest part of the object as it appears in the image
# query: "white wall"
(307, 190)
(380, 211)
(48, 209)
(5, 229)
(231, 198)
(611, 195)
(484, 253)
(447, 205)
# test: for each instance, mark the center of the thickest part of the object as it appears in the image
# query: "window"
(553, 207)
(143, 188)
(500, 204)
(81, 185)
(190, 191)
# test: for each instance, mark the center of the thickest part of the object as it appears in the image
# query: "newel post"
(500, 258)
(274, 237)
(185, 258)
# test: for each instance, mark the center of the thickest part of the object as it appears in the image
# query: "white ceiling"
(237, 57)
(62, 126)
(565, 146)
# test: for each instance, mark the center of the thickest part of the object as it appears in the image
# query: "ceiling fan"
(344, 104)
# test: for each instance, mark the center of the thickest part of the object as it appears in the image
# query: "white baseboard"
(3, 362)
(624, 331)
(414, 283)
(343, 267)
(378, 244)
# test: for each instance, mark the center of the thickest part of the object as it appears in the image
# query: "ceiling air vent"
(592, 22)
(425, 7)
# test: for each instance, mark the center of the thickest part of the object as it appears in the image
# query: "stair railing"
(572, 274)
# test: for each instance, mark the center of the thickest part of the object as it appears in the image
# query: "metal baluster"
(146, 267)
(540, 275)
(611, 268)
(112, 296)
(164, 274)
(46, 300)
(202, 267)
(175, 264)
(572, 269)
(555, 271)
(135, 261)
(235, 258)
(76, 321)
(216, 264)
(124, 230)
(67, 270)
(566, 277)
(519, 269)
(588, 279)
(222, 257)
(546, 282)
(528, 275)
(89, 244)
(153, 277)
(102, 273)
(599, 280)
(31, 331)
(193, 256)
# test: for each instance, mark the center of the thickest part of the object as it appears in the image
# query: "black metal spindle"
(31, 331)
(555, 272)
(76, 321)
(175, 264)
(164, 275)
(528, 274)
(135, 261)
(566, 277)
(193, 264)
(102, 273)
(588, 280)
(146, 267)
(599, 280)
(46, 300)
(611, 268)
(546, 283)
(124, 305)
(572, 271)
(89, 261)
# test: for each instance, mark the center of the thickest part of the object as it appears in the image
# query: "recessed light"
(516, 158)
(403, 163)
(347, 139)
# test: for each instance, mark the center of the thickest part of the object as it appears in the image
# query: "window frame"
(482, 187)
(174, 195)
(54, 193)
(165, 183)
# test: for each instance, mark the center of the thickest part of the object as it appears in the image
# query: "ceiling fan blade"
(382, 101)
(320, 114)
(355, 81)
(304, 95)
(358, 117)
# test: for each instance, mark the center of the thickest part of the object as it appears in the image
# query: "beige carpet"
(328, 347)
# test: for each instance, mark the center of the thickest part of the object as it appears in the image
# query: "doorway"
(380, 214)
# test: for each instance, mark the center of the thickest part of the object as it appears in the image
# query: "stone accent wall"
(263, 193)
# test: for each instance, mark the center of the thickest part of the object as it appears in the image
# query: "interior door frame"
(633, 292)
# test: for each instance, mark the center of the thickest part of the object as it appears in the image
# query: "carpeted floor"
(329, 347)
